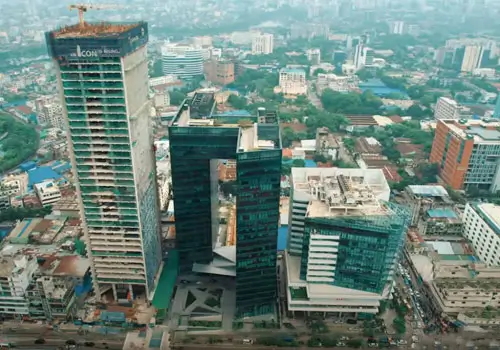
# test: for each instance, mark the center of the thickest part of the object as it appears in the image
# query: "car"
(40, 341)
(89, 343)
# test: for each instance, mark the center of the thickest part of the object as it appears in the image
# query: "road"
(313, 97)
(26, 338)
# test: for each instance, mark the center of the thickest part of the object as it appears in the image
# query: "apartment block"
(421, 198)
(55, 287)
(482, 228)
(48, 192)
(446, 108)
(467, 153)
(262, 44)
(102, 72)
(219, 71)
(314, 56)
(292, 81)
(344, 240)
(15, 276)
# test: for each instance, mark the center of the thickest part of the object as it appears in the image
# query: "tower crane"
(82, 8)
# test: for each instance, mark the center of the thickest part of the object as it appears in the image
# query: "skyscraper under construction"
(102, 71)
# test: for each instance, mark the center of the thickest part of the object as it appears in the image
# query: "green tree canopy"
(350, 103)
(20, 143)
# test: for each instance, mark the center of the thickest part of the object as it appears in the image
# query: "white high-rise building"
(446, 108)
(52, 115)
(482, 228)
(472, 58)
(398, 27)
(358, 56)
(183, 61)
(262, 44)
(314, 56)
(102, 71)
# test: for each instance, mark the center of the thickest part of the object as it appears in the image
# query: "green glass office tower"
(344, 241)
(198, 140)
(102, 70)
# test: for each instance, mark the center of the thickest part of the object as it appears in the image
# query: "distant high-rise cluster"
(466, 55)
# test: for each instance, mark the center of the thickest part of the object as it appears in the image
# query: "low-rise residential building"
(344, 239)
(326, 143)
(440, 222)
(48, 192)
(457, 283)
(15, 276)
(422, 198)
(54, 290)
(482, 228)
(292, 81)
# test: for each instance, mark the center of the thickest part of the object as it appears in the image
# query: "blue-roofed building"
(26, 166)
(482, 229)
(441, 222)
(41, 174)
(61, 167)
(378, 88)
(422, 198)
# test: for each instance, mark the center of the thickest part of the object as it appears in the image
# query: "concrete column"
(115, 294)
(131, 291)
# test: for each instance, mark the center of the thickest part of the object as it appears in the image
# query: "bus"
(6, 345)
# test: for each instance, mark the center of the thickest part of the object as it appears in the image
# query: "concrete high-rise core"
(102, 71)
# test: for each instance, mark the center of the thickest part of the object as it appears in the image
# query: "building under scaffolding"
(344, 240)
(102, 72)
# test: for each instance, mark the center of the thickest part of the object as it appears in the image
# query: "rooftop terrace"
(197, 112)
(341, 192)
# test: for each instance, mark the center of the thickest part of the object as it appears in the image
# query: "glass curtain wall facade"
(194, 153)
(368, 247)
(103, 80)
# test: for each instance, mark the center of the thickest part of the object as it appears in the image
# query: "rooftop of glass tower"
(341, 192)
(199, 112)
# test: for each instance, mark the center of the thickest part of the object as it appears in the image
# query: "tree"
(13, 214)
(320, 158)
(399, 324)
(416, 91)
(364, 74)
(350, 103)
(415, 111)
(237, 101)
(354, 343)
(334, 122)
(229, 188)
(20, 143)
